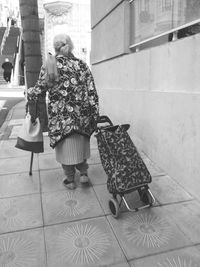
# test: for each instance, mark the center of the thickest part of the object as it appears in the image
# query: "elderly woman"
(72, 109)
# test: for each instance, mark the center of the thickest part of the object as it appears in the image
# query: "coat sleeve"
(92, 93)
(40, 88)
(38, 94)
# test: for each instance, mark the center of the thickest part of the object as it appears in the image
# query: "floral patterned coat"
(73, 101)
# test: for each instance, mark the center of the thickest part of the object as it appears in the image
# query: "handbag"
(30, 137)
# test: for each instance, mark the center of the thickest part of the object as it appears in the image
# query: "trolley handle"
(104, 119)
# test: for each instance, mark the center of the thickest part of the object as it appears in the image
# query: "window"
(166, 5)
(154, 19)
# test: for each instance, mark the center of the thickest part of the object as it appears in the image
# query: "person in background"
(7, 70)
(73, 108)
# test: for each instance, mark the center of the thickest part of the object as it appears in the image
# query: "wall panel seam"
(108, 59)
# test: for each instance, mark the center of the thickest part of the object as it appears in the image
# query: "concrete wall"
(110, 38)
(102, 8)
(157, 91)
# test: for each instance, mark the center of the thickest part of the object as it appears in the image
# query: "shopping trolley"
(123, 165)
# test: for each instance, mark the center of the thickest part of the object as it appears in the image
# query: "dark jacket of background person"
(73, 101)
(7, 66)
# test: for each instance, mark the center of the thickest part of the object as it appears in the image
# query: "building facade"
(62, 16)
(70, 17)
(155, 89)
(8, 9)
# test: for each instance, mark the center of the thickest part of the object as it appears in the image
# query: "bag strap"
(27, 109)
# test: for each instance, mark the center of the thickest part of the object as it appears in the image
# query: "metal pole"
(31, 164)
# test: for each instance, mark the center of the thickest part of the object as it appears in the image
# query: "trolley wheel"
(145, 196)
(114, 207)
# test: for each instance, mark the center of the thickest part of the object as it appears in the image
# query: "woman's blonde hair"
(63, 44)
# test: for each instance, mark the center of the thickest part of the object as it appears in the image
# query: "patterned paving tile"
(48, 161)
(152, 167)
(93, 142)
(47, 148)
(20, 213)
(166, 190)
(16, 122)
(17, 165)
(70, 205)
(8, 150)
(19, 184)
(104, 196)
(51, 180)
(85, 243)
(15, 131)
(147, 232)
(97, 174)
(187, 257)
(23, 249)
(123, 264)
(94, 158)
(187, 217)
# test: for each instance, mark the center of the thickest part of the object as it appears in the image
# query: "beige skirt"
(73, 150)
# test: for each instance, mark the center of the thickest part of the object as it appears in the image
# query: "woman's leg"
(9, 76)
(69, 171)
(83, 167)
(5, 75)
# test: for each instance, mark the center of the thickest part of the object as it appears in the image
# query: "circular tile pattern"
(177, 262)
(73, 204)
(82, 244)
(17, 252)
(147, 230)
(10, 216)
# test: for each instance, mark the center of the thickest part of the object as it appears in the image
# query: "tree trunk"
(32, 54)
(31, 38)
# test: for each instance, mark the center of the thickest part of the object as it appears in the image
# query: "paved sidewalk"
(42, 224)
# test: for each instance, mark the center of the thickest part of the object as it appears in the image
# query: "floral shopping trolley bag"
(120, 159)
